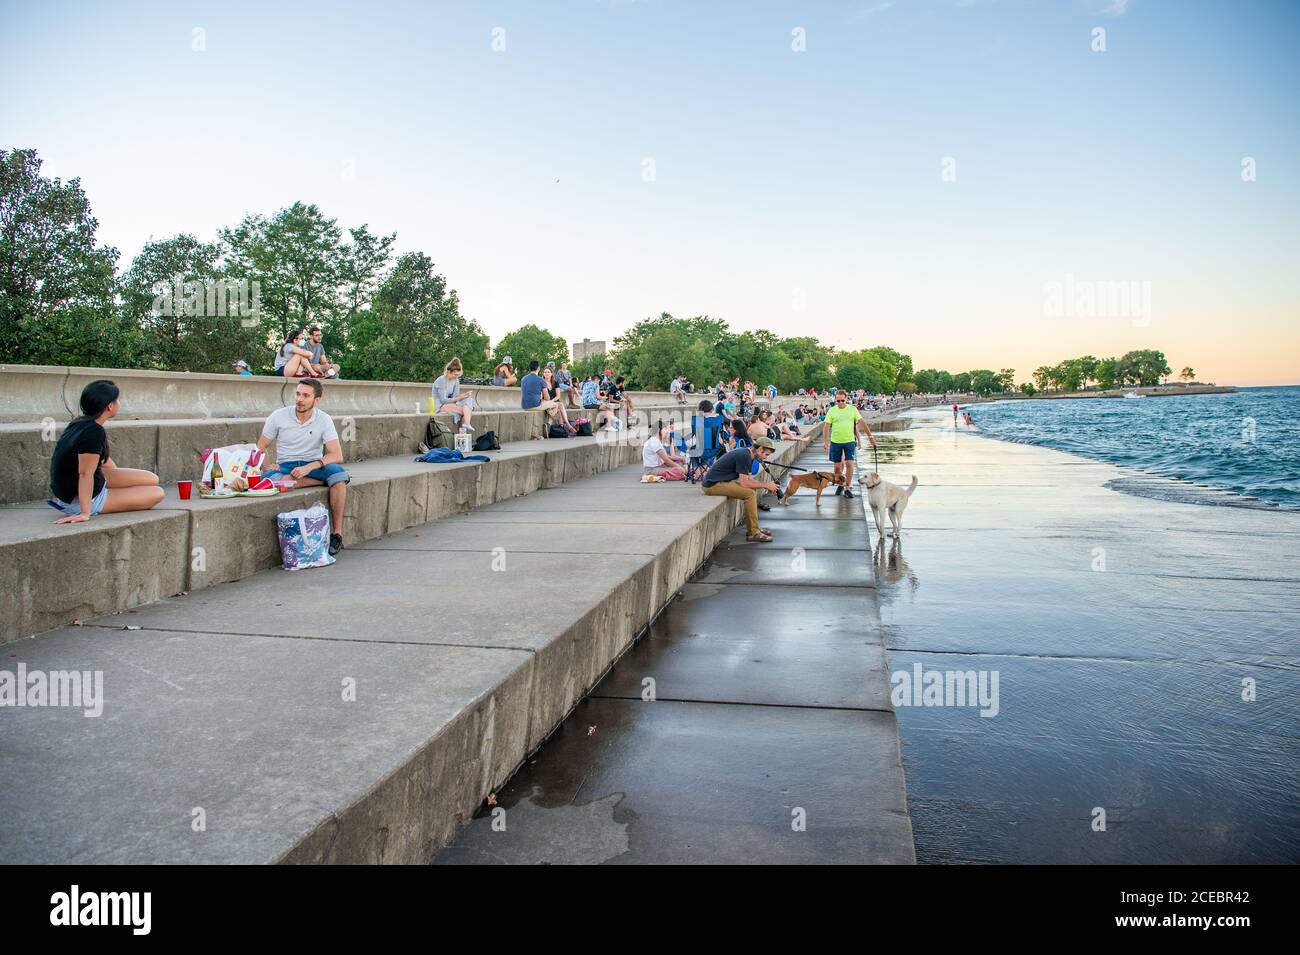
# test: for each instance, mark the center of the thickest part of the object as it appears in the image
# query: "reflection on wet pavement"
(1147, 656)
(751, 724)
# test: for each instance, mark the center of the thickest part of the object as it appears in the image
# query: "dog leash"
(788, 467)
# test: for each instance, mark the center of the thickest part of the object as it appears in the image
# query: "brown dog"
(817, 480)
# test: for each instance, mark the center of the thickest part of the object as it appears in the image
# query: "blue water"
(1247, 442)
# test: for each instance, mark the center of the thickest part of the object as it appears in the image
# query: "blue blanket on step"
(449, 456)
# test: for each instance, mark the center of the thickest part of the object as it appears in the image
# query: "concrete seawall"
(355, 713)
(31, 393)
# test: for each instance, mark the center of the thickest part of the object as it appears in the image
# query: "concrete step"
(356, 713)
(171, 447)
(52, 575)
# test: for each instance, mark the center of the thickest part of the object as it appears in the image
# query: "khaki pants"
(746, 494)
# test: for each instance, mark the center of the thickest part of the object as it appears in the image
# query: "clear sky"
(801, 191)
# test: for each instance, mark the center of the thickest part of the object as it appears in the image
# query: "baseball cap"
(764, 443)
(240, 364)
(506, 361)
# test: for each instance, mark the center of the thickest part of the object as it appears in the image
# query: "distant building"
(586, 348)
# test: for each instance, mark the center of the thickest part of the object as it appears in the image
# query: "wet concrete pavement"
(1146, 656)
(752, 724)
(1124, 631)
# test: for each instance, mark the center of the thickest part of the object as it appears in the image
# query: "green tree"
(709, 350)
(1088, 366)
(755, 357)
(1069, 375)
(985, 382)
(1144, 366)
(961, 381)
(812, 358)
(821, 380)
(931, 381)
(894, 366)
(593, 365)
(1007, 377)
(1187, 374)
(852, 377)
(189, 318)
(1106, 373)
(531, 343)
(1028, 389)
(308, 275)
(361, 269)
(789, 374)
(414, 327)
(662, 356)
(57, 284)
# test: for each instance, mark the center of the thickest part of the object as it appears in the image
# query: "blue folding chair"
(706, 431)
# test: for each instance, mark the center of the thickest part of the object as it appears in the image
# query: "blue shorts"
(329, 475)
(843, 451)
(96, 503)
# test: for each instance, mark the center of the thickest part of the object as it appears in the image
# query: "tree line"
(186, 304)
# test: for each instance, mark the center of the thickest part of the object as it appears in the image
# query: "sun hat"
(764, 443)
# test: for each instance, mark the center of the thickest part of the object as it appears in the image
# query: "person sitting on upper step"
(451, 400)
(504, 375)
(593, 400)
(292, 359)
(83, 478)
(533, 394)
(307, 449)
(617, 396)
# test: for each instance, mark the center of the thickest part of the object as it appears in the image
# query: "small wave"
(1181, 492)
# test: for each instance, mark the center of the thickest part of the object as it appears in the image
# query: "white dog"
(886, 497)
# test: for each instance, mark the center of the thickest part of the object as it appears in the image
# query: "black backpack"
(487, 441)
(584, 430)
(557, 431)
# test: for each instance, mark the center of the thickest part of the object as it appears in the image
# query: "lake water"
(1247, 442)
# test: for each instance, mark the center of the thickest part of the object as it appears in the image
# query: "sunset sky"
(915, 176)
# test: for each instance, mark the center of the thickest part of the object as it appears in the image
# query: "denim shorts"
(843, 450)
(96, 503)
(330, 474)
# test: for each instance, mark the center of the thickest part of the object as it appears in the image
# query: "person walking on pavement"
(840, 438)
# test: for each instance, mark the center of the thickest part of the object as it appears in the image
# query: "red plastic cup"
(185, 488)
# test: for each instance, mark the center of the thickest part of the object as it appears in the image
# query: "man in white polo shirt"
(307, 449)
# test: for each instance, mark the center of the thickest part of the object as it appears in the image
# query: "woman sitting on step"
(659, 457)
(83, 478)
(450, 398)
(293, 360)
